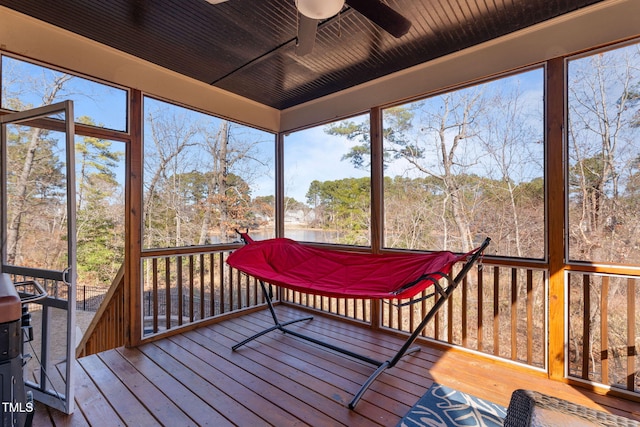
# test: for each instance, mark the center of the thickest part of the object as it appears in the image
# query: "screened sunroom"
(138, 137)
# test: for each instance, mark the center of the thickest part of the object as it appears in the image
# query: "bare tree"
(602, 138)
(20, 189)
(199, 172)
(170, 136)
(444, 131)
(233, 162)
(509, 132)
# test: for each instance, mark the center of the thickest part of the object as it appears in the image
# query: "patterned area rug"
(443, 406)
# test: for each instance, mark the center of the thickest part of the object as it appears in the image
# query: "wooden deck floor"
(195, 379)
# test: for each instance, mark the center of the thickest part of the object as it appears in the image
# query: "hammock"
(332, 273)
(341, 274)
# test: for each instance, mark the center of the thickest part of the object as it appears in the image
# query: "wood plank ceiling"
(248, 46)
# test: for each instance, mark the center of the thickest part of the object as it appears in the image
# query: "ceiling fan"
(314, 11)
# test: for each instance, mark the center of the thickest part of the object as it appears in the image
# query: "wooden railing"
(182, 289)
(107, 328)
(498, 310)
(603, 329)
(349, 308)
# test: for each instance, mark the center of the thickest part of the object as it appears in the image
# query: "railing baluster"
(631, 334)
(202, 288)
(412, 320)
(232, 289)
(180, 290)
(191, 288)
(480, 310)
(463, 312)
(212, 285)
(529, 316)
(586, 324)
(256, 293)
(514, 314)
(450, 318)
(604, 328)
(436, 319)
(167, 285)
(154, 266)
(496, 310)
(399, 324)
(222, 284)
(423, 309)
(247, 292)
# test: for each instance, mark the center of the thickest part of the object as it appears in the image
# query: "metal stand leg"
(277, 324)
(405, 349)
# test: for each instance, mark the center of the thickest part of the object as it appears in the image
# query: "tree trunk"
(14, 223)
(222, 180)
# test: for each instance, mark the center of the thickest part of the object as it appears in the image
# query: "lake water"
(299, 234)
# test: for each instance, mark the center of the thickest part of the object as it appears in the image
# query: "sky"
(106, 105)
(312, 154)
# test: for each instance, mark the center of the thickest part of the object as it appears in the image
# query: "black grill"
(17, 404)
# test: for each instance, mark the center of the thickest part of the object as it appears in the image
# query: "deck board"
(163, 409)
(281, 391)
(167, 377)
(218, 388)
(95, 407)
(125, 403)
(194, 378)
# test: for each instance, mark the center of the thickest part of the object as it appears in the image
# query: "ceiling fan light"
(319, 9)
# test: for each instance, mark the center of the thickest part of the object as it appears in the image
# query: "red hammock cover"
(333, 273)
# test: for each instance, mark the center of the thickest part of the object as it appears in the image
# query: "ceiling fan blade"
(306, 35)
(215, 1)
(382, 15)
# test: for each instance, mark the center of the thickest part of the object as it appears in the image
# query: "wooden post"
(377, 195)
(279, 200)
(279, 207)
(555, 151)
(133, 223)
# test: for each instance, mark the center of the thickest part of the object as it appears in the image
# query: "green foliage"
(588, 172)
(100, 230)
(632, 98)
(186, 198)
(265, 206)
(397, 123)
(531, 192)
(342, 205)
(46, 177)
(416, 213)
(100, 244)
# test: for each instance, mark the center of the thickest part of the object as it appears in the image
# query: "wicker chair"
(530, 408)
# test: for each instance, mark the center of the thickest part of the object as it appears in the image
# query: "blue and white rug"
(442, 406)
